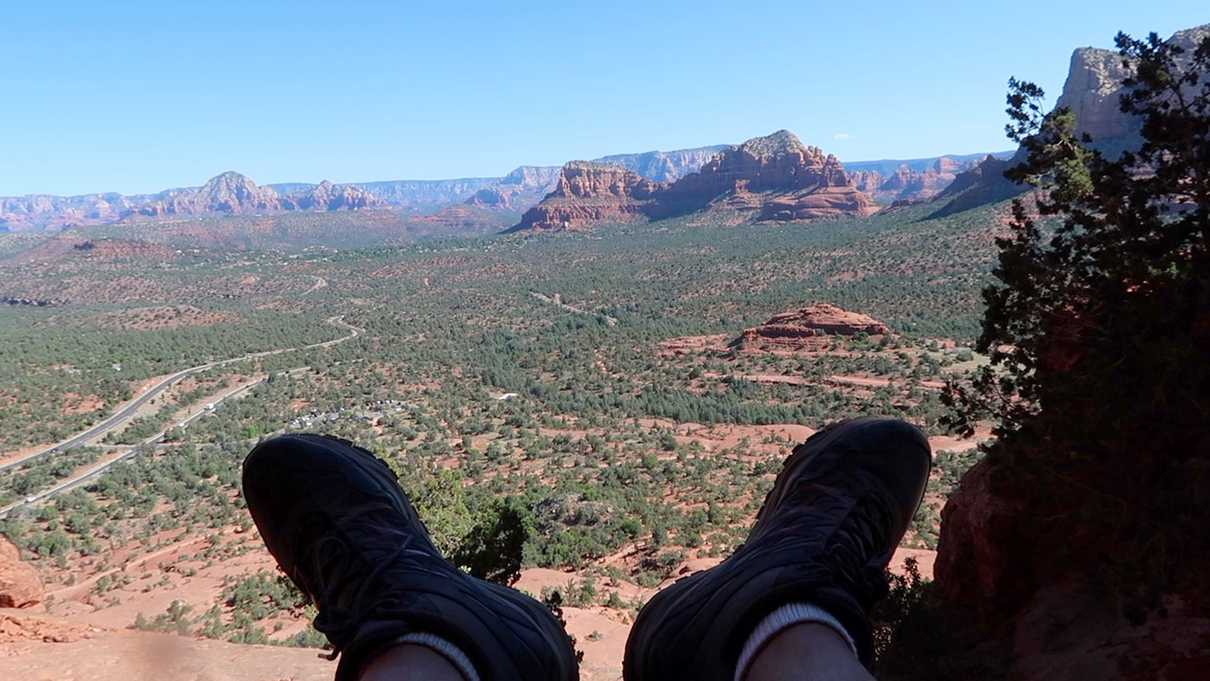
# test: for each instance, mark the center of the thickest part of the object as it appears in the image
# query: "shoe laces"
(346, 585)
(855, 546)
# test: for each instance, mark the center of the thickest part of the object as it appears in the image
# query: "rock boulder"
(20, 586)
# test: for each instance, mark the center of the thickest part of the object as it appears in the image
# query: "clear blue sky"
(140, 96)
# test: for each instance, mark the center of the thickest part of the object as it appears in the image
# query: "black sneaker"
(838, 509)
(339, 526)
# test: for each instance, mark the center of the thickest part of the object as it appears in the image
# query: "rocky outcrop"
(589, 193)
(326, 196)
(1092, 91)
(805, 327)
(983, 184)
(20, 586)
(777, 162)
(773, 178)
(228, 192)
(522, 188)
(979, 529)
(491, 198)
(867, 181)
(907, 184)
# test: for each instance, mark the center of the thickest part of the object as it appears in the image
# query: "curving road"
(128, 411)
(132, 450)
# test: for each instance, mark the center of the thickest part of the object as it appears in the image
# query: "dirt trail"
(558, 302)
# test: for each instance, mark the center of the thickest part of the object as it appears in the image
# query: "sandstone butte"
(801, 329)
(772, 178)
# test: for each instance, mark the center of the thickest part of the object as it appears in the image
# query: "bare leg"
(807, 652)
(408, 662)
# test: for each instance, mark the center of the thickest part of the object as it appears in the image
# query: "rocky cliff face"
(588, 193)
(1092, 90)
(532, 177)
(983, 184)
(774, 178)
(867, 181)
(1094, 86)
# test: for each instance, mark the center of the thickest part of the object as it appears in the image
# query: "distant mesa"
(326, 196)
(978, 186)
(479, 203)
(665, 166)
(228, 192)
(908, 185)
(491, 198)
(772, 178)
(234, 194)
(807, 328)
(531, 177)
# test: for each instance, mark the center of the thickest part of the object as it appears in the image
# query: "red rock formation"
(328, 196)
(778, 162)
(229, 192)
(867, 181)
(490, 198)
(20, 586)
(906, 185)
(979, 529)
(984, 183)
(801, 329)
(590, 193)
(771, 178)
(766, 178)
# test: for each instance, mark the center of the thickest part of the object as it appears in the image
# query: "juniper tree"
(1098, 329)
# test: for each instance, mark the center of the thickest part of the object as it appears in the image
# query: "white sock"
(783, 618)
(445, 649)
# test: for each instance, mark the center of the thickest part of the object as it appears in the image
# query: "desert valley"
(619, 350)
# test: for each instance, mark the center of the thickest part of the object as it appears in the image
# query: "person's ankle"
(781, 620)
(420, 656)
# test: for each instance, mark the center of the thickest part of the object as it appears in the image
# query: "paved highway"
(94, 471)
(128, 411)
